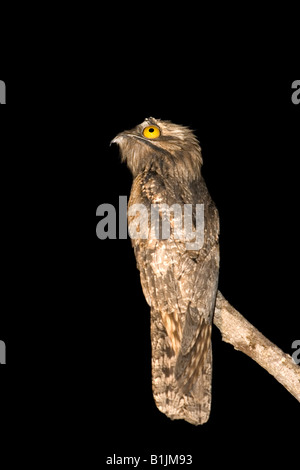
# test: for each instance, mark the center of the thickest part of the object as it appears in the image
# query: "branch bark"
(236, 330)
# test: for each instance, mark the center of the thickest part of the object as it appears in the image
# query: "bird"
(179, 281)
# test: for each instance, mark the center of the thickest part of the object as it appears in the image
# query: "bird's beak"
(117, 139)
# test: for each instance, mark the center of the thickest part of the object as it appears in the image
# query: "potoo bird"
(179, 279)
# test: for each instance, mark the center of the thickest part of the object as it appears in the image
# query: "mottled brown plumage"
(179, 284)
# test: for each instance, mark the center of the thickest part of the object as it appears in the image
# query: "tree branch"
(236, 330)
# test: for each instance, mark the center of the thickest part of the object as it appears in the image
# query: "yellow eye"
(151, 132)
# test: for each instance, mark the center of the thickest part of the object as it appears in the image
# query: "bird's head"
(169, 149)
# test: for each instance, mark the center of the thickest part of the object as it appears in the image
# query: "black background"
(75, 322)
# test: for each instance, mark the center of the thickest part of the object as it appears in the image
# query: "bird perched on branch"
(179, 280)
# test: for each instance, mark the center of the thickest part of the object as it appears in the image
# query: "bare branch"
(236, 330)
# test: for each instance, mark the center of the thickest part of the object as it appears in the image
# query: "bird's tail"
(171, 398)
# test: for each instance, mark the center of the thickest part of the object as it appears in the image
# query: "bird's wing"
(196, 334)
